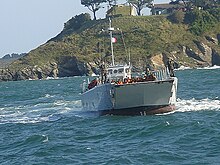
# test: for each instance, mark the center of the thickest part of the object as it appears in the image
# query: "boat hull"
(144, 98)
(139, 111)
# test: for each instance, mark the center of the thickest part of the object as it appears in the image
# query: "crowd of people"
(148, 76)
(135, 80)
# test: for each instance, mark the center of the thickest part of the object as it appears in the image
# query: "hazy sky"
(26, 24)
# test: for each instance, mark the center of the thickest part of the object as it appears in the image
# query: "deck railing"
(162, 74)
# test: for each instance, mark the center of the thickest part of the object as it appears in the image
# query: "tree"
(204, 3)
(200, 20)
(140, 4)
(111, 2)
(177, 16)
(93, 5)
(77, 22)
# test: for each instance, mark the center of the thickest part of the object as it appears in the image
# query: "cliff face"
(25, 73)
(151, 41)
(203, 55)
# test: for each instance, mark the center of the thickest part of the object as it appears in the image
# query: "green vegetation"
(95, 5)
(142, 36)
(177, 16)
(76, 22)
(201, 21)
(7, 59)
(119, 11)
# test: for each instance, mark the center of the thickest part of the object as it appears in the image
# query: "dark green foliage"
(215, 12)
(177, 17)
(198, 2)
(200, 21)
(204, 3)
(93, 5)
(76, 22)
(144, 36)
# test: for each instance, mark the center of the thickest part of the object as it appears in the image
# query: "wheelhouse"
(119, 72)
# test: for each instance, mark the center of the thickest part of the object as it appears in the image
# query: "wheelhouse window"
(110, 71)
(120, 70)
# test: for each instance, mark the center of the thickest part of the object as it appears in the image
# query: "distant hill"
(150, 40)
(7, 59)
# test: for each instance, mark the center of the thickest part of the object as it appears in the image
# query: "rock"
(189, 52)
(212, 39)
(54, 73)
(92, 68)
(23, 74)
(215, 58)
(67, 66)
(5, 75)
(157, 61)
(70, 66)
(218, 38)
(206, 52)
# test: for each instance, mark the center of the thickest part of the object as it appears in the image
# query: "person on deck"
(149, 76)
(103, 73)
(170, 66)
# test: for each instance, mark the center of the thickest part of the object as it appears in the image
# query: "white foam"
(50, 78)
(48, 96)
(183, 68)
(94, 75)
(40, 112)
(59, 103)
(24, 120)
(197, 105)
(46, 138)
(210, 68)
(204, 68)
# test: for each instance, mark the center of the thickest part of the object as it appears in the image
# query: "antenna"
(110, 29)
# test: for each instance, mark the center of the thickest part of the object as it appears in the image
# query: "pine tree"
(93, 5)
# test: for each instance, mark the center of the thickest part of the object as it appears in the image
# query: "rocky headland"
(150, 40)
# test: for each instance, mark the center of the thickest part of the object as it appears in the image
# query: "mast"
(110, 29)
(129, 57)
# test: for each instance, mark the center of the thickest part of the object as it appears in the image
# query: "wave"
(39, 112)
(24, 119)
(183, 68)
(36, 139)
(210, 68)
(197, 105)
(204, 68)
(50, 112)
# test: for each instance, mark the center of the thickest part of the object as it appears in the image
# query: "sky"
(27, 24)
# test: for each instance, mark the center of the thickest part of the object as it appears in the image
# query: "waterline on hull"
(135, 111)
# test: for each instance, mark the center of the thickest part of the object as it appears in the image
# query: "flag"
(114, 40)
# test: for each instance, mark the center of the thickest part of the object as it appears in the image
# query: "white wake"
(41, 112)
(197, 105)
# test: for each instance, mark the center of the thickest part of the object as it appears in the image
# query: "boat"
(119, 92)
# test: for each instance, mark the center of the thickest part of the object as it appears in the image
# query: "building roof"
(167, 6)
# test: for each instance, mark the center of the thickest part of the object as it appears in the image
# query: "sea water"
(40, 123)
